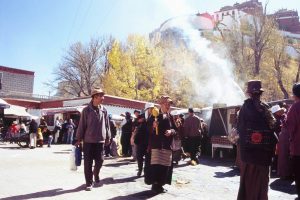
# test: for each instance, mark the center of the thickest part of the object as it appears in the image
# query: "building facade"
(15, 81)
(249, 7)
(288, 20)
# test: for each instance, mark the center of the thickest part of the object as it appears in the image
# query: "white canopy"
(62, 110)
(3, 104)
(16, 111)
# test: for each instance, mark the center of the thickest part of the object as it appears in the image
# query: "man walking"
(94, 131)
(142, 137)
(33, 126)
(192, 132)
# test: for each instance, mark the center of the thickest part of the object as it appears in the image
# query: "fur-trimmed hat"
(254, 86)
(163, 99)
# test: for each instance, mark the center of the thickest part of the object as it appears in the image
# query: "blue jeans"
(50, 138)
(70, 137)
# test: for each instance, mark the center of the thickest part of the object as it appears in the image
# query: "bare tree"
(280, 58)
(262, 28)
(298, 71)
(83, 67)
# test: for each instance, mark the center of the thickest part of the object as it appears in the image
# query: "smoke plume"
(211, 75)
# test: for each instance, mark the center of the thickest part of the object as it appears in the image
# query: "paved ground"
(43, 173)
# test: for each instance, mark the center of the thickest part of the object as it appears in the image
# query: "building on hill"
(288, 20)
(249, 7)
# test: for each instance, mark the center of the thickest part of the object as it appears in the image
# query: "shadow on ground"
(231, 173)
(16, 147)
(117, 164)
(48, 193)
(215, 162)
(140, 195)
(283, 186)
(108, 181)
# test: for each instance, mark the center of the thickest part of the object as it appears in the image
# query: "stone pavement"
(43, 173)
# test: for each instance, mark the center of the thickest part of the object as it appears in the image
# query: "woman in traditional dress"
(257, 144)
(158, 166)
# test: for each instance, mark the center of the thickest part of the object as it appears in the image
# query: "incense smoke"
(211, 75)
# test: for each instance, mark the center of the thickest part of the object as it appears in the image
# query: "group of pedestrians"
(63, 133)
(149, 136)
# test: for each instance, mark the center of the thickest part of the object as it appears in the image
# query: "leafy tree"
(135, 69)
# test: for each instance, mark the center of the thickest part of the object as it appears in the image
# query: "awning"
(16, 111)
(48, 111)
(4, 104)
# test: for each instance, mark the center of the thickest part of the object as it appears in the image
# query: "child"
(40, 139)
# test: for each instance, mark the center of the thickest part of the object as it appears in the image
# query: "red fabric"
(14, 128)
(293, 125)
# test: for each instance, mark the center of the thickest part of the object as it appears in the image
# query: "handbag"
(78, 156)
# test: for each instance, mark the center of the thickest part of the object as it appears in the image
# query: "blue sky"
(34, 34)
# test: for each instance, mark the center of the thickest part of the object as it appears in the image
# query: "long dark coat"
(158, 173)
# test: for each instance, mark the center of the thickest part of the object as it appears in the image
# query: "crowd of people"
(153, 138)
(268, 141)
(157, 140)
(40, 133)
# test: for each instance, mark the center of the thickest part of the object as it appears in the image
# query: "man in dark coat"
(257, 144)
(142, 137)
(33, 126)
(193, 134)
(127, 125)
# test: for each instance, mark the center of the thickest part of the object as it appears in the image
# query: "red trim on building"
(16, 71)
(25, 103)
(109, 100)
(51, 104)
(122, 102)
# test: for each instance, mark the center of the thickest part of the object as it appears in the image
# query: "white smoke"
(212, 76)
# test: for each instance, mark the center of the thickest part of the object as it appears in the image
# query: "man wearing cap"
(257, 144)
(279, 115)
(158, 162)
(142, 136)
(293, 125)
(94, 131)
(192, 133)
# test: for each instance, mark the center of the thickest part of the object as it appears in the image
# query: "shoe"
(97, 179)
(158, 189)
(139, 173)
(193, 162)
(89, 187)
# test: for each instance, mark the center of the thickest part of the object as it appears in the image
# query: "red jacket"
(293, 125)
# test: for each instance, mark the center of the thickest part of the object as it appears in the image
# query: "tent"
(18, 111)
(4, 104)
